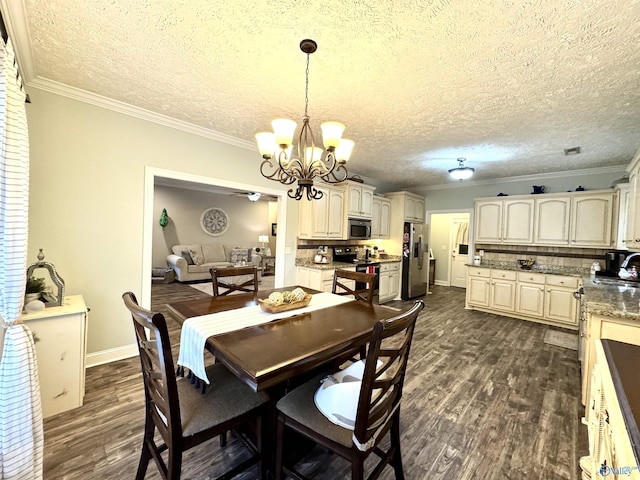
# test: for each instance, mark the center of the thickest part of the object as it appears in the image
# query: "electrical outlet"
(481, 253)
(287, 250)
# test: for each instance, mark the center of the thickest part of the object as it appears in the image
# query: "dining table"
(270, 354)
(275, 356)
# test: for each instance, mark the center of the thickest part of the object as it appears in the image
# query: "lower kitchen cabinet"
(60, 337)
(559, 303)
(478, 287)
(319, 279)
(389, 282)
(610, 421)
(531, 296)
(503, 291)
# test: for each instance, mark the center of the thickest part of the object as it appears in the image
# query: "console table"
(60, 337)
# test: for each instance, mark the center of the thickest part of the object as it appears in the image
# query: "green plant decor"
(35, 285)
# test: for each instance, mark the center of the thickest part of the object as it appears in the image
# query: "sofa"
(192, 262)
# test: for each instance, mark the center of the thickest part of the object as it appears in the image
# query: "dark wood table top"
(267, 355)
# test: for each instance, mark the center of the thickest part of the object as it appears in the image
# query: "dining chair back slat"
(227, 280)
(342, 280)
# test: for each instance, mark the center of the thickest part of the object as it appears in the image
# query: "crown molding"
(538, 176)
(15, 19)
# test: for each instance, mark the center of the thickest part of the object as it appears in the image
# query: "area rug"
(561, 339)
(206, 287)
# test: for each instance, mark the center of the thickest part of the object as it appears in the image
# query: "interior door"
(460, 253)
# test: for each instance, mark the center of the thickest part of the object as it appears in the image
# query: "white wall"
(184, 207)
(87, 178)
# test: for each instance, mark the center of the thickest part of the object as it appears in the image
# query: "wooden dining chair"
(378, 410)
(234, 279)
(343, 280)
(182, 415)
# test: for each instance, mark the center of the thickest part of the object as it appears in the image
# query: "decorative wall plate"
(214, 221)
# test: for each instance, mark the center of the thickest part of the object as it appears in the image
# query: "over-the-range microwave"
(359, 229)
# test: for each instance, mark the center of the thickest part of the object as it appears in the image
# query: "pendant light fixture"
(461, 172)
(277, 149)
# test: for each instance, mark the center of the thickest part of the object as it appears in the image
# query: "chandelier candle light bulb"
(309, 164)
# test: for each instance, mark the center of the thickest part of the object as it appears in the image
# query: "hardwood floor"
(484, 398)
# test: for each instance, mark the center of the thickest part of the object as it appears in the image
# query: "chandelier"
(461, 172)
(277, 149)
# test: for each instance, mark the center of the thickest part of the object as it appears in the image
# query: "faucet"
(628, 259)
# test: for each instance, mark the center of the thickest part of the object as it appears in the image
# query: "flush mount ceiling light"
(309, 163)
(254, 197)
(461, 172)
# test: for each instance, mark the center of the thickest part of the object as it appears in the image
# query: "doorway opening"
(452, 244)
(154, 176)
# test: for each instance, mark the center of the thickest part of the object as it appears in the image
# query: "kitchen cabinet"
(533, 296)
(632, 236)
(503, 291)
(592, 218)
(504, 221)
(323, 218)
(488, 221)
(611, 449)
(360, 200)
(478, 287)
(623, 212)
(320, 279)
(406, 207)
(389, 281)
(575, 219)
(530, 294)
(60, 338)
(605, 327)
(552, 220)
(381, 218)
(559, 303)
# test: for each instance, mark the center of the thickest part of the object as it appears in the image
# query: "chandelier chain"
(306, 89)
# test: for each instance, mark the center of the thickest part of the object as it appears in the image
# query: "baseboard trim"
(111, 355)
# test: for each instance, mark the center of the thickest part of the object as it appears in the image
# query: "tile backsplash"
(552, 256)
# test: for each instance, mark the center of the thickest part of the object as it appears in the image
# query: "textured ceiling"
(506, 84)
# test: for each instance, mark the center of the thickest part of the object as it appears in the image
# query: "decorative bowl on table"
(526, 264)
(284, 301)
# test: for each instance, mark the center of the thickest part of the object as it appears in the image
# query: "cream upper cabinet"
(552, 219)
(592, 218)
(488, 221)
(360, 200)
(414, 209)
(323, 218)
(381, 218)
(632, 237)
(575, 219)
(623, 212)
(518, 221)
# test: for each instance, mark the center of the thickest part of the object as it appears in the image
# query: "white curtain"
(21, 432)
(462, 235)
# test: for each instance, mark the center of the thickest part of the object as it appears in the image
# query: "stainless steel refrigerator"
(415, 260)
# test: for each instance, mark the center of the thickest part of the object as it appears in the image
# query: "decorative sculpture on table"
(51, 300)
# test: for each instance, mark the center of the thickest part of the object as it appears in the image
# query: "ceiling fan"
(255, 196)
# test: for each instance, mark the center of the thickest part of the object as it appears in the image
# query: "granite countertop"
(307, 262)
(546, 269)
(612, 297)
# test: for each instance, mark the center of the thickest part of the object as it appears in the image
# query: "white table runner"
(196, 330)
